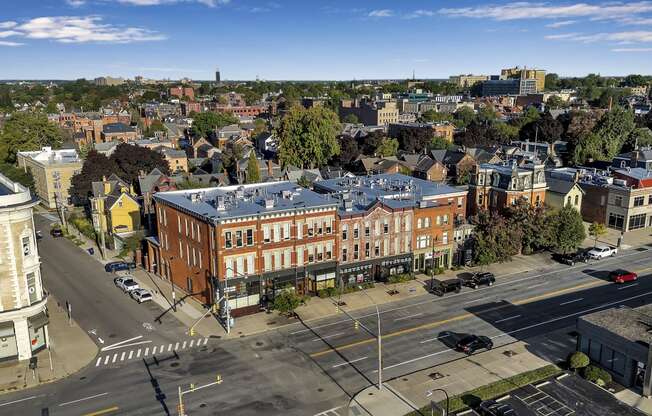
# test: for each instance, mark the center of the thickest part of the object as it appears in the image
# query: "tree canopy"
(253, 173)
(308, 137)
(25, 131)
(204, 124)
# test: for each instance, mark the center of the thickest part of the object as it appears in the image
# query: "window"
(186, 221)
(277, 233)
(266, 237)
(239, 269)
(287, 258)
(649, 199)
(480, 199)
(356, 255)
(377, 227)
(616, 221)
(300, 256)
(344, 254)
(178, 222)
(267, 259)
(31, 288)
(27, 247)
(385, 227)
(618, 200)
(189, 284)
(577, 200)
(460, 202)
(286, 231)
(407, 222)
(238, 238)
(639, 201)
(277, 260)
(299, 230)
(367, 229)
(426, 222)
(637, 221)
(250, 237)
(444, 237)
(356, 232)
(228, 263)
(311, 254)
(568, 200)
(345, 232)
(377, 248)
(366, 249)
(386, 247)
(329, 250)
(423, 241)
(418, 223)
(329, 225)
(397, 224)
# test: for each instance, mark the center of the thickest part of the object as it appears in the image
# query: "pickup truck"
(600, 252)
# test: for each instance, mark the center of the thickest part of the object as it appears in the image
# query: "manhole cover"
(341, 303)
(371, 394)
(174, 365)
(242, 336)
(509, 353)
(202, 405)
(216, 336)
(405, 379)
(436, 375)
(320, 390)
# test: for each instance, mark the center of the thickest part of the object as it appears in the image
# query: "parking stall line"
(628, 286)
(571, 301)
(507, 319)
(205, 341)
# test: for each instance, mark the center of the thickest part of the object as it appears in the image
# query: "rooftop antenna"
(413, 76)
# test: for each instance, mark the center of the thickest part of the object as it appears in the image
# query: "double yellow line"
(103, 411)
(461, 317)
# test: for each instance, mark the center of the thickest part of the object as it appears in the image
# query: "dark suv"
(571, 258)
(480, 279)
(472, 343)
(118, 266)
(446, 286)
(494, 408)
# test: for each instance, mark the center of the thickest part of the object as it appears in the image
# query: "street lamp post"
(379, 338)
(432, 402)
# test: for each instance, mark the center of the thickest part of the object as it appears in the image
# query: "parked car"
(472, 343)
(622, 276)
(600, 252)
(118, 266)
(56, 232)
(572, 258)
(446, 286)
(494, 408)
(480, 279)
(126, 283)
(140, 295)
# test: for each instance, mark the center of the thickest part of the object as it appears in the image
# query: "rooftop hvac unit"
(220, 203)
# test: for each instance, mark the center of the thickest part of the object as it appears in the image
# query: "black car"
(118, 266)
(494, 408)
(447, 286)
(56, 232)
(472, 343)
(572, 258)
(480, 279)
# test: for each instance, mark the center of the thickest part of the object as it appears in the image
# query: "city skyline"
(326, 41)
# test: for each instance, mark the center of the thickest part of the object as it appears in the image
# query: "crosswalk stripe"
(176, 346)
(169, 347)
(192, 343)
(205, 341)
(146, 352)
(138, 353)
(106, 360)
(131, 354)
(184, 345)
(122, 357)
(115, 357)
(154, 351)
(98, 361)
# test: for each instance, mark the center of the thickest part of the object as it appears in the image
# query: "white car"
(140, 295)
(126, 283)
(600, 252)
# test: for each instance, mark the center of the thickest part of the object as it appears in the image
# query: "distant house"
(177, 159)
(458, 164)
(377, 165)
(148, 185)
(562, 192)
(203, 148)
(115, 207)
(118, 131)
(636, 159)
(430, 169)
(293, 174)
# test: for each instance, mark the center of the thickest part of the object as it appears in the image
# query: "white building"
(23, 313)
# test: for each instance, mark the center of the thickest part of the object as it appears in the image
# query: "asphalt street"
(306, 368)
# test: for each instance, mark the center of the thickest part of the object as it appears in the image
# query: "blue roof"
(239, 201)
(636, 173)
(395, 190)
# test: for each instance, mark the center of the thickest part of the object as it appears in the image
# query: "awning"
(38, 321)
(7, 329)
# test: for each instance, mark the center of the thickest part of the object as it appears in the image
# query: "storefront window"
(8, 347)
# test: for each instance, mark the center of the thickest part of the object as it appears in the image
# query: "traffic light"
(356, 325)
(218, 379)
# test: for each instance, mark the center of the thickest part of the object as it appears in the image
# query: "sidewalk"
(71, 349)
(635, 400)
(463, 375)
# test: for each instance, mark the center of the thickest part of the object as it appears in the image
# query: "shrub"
(578, 360)
(597, 375)
(327, 293)
(287, 301)
(400, 278)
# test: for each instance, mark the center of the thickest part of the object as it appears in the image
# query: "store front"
(37, 331)
(321, 276)
(374, 270)
(8, 346)
(423, 259)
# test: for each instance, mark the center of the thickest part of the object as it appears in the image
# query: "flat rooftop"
(239, 201)
(634, 324)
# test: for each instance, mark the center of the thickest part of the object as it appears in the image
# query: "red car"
(622, 276)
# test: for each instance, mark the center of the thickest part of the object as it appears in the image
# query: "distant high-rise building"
(526, 73)
(218, 78)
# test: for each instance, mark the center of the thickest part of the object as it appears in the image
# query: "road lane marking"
(571, 301)
(83, 399)
(169, 347)
(184, 345)
(507, 319)
(205, 341)
(628, 286)
(122, 357)
(103, 411)
(509, 282)
(434, 339)
(99, 360)
(408, 317)
(138, 353)
(131, 354)
(415, 359)
(452, 319)
(349, 362)
(18, 401)
(115, 357)
(120, 344)
(328, 336)
(474, 301)
(146, 352)
(192, 342)
(176, 346)
(106, 361)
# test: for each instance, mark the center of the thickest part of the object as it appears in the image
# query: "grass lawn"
(473, 397)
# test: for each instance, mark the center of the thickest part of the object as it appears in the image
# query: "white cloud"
(80, 29)
(76, 3)
(9, 43)
(632, 50)
(639, 36)
(419, 13)
(530, 10)
(209, 3)
(561, 23)
(381, 13)
(7, 25)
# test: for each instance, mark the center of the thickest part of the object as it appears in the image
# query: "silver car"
(140, 295)
(126, 283)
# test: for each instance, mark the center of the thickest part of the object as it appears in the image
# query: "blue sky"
(319, 39)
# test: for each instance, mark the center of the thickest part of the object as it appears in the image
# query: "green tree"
(612, 129)
(638, 138)
(155, 126)
(19, 175)
(567, 229)
(205, 124)
(555, 102)
(51, 108)
(253, 173)
(433, 116)
(387, 147)
(27, 131)
(287, 301)
(308, 137)
(463, 117)
(439, 143)
(597, 230)
(351, 118)
(552, 82)
(578, 360)
(130, 160)
(96, 166)
(130, 245)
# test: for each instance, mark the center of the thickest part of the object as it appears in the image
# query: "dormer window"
(623, 164)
